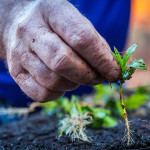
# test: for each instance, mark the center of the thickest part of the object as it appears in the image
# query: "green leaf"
(109, 121)
(104, 91)
(65, 104)
(135, 101)
(119, 108)
(100, 112)
(118, 57)
(128, 73)
(99, 91)
(142, 90)
(129, 53)
(101, 118)
(73, 109)
(138, 64)
(96, 123)
(49, 107)
(86, 109)
(114, 106)
(124, 70)
(79, 108)
(131, 49)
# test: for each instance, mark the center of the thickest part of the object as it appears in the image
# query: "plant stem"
(125, 114)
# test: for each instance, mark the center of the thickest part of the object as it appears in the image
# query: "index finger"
(80, 34)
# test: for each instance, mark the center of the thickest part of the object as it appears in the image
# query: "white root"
(75, 127)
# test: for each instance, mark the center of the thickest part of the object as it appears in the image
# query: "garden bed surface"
(39, 132)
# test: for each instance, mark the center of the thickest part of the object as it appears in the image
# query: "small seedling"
(74, 125)
(79, 117)
(126, 73)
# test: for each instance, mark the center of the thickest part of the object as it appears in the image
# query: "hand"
(53, 48)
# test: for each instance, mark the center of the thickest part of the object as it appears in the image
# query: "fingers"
(27, 83)
(43, 75)
(79, 33)
(34, 90)
(62, 60)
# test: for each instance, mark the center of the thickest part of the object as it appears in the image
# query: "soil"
(39, 132)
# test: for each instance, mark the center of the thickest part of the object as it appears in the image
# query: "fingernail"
(114, 75)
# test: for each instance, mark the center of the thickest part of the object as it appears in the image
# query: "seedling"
(74, 125)
(126, 73)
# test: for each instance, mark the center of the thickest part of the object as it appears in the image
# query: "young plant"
(75, 124)
(126, 73)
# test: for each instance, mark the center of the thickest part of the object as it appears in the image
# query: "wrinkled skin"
(52, 48)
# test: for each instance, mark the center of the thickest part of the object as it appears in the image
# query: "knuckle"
(24, 57)
(82, 37)
(60, 63)
(21, 29)
(49, 4)
(21, 77)
(14, 68)
(49, 41)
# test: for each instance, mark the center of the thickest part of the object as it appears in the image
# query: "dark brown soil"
(39, 133)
